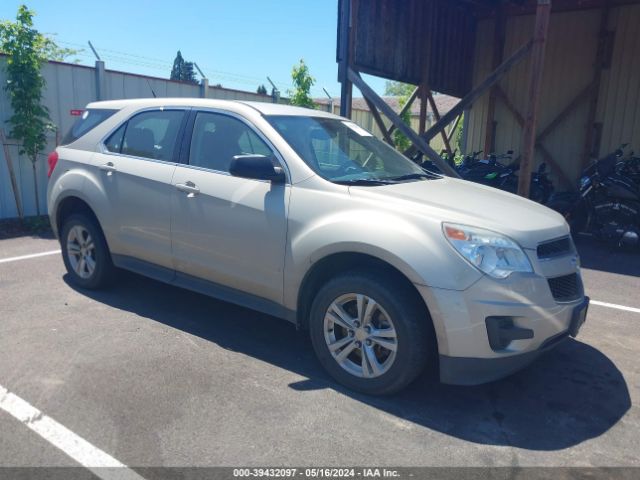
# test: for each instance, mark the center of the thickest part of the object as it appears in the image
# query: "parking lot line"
(617, 307)
(26, 257)
(100, 463)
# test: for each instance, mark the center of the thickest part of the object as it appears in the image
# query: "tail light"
(53, 160)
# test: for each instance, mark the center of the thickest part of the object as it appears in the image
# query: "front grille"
(566, 288)
(555, 248)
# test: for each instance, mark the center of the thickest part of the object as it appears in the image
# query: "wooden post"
(12, 174)
(498, 52)
(344, 57)
(548, 158)
(418, 141)
(422, 125)
(406, 107)
(599, 66)
(436, 114)
(379, 122)
(541, 29)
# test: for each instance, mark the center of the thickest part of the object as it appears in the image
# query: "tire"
(395, 306)
(80, 233)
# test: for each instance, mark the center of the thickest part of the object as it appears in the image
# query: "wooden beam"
(12, 174)
(379, 122)
(540, 32)
(436, 114)
(453, 128)
(419, 142)
(548, 158)
(478, 91)
(422, 127)
(406, 107)
(601, 54)
(571, 106)
(498, 53)
(344, 57)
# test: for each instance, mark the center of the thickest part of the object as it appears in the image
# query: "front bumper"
(468, 355)
(475, 371)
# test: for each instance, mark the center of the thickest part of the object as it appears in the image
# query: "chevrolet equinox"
(306, 216)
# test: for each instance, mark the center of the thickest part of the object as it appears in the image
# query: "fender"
(387, 237)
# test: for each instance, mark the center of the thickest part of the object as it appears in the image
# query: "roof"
(443, 102)
(262, 107)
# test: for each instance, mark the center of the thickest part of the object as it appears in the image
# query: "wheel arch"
(70, 205)
(334, 264)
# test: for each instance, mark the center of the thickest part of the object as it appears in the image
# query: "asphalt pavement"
(152, 375)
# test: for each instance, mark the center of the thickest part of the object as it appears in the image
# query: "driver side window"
(217, 138)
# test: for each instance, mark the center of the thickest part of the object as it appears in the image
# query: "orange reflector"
(455, 234)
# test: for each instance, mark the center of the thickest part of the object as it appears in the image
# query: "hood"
(458, 201)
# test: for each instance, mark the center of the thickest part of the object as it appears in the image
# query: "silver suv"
(306, 216)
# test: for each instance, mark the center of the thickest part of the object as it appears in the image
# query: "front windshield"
(342, 152)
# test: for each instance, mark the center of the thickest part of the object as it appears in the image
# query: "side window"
(149, 134)
(218, 138)
(114, 143)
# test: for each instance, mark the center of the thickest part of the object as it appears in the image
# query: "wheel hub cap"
(360, 335)
(81, 251)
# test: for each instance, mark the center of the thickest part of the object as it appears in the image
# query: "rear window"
(88, 121)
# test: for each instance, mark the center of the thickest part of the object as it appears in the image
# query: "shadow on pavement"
(569, 395)
(595, 255)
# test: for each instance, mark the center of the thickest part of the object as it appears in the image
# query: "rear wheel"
(85, 252)
(371, 336)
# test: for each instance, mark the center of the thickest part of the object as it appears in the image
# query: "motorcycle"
(607, 203)
(491, 171)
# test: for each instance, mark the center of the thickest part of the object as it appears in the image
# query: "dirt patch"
(30, 226)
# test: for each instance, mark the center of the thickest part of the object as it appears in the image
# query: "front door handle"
(189, 187)
(108, 167)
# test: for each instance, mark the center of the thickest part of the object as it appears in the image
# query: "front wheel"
(372, 337)
(85, 252)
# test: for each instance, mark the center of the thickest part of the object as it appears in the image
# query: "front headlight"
(490, 252)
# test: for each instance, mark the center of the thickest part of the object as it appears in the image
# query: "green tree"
(262, 90)
(398, 89)
(403, 91)
(182, 70)
(302, 82)
(26, 50)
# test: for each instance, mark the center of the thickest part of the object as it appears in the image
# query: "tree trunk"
(35, 184)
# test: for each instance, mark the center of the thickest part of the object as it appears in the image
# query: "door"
(135, 172)
(228, 230)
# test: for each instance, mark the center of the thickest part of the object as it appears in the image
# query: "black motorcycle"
(496, 171)
(607, 203)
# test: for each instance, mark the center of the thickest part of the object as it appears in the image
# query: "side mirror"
(258, 167)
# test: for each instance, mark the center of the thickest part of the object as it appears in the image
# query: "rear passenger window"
(88, 121)
(149, 134)
(114, 144)
(218, 138)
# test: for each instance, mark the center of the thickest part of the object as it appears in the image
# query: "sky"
(237, 43)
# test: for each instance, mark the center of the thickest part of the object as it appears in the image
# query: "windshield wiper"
(367, 182)
(413, 176)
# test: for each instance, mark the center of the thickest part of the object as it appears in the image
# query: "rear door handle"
(108, 167)
(189, 187)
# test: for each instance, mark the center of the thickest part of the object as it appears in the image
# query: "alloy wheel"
(360, 335)
(81, 251)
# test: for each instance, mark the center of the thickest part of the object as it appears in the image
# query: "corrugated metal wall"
(72, 87)
(569, 65)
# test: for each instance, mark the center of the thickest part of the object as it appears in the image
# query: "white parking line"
(26, 257)
(617, 307)
(100, 463)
